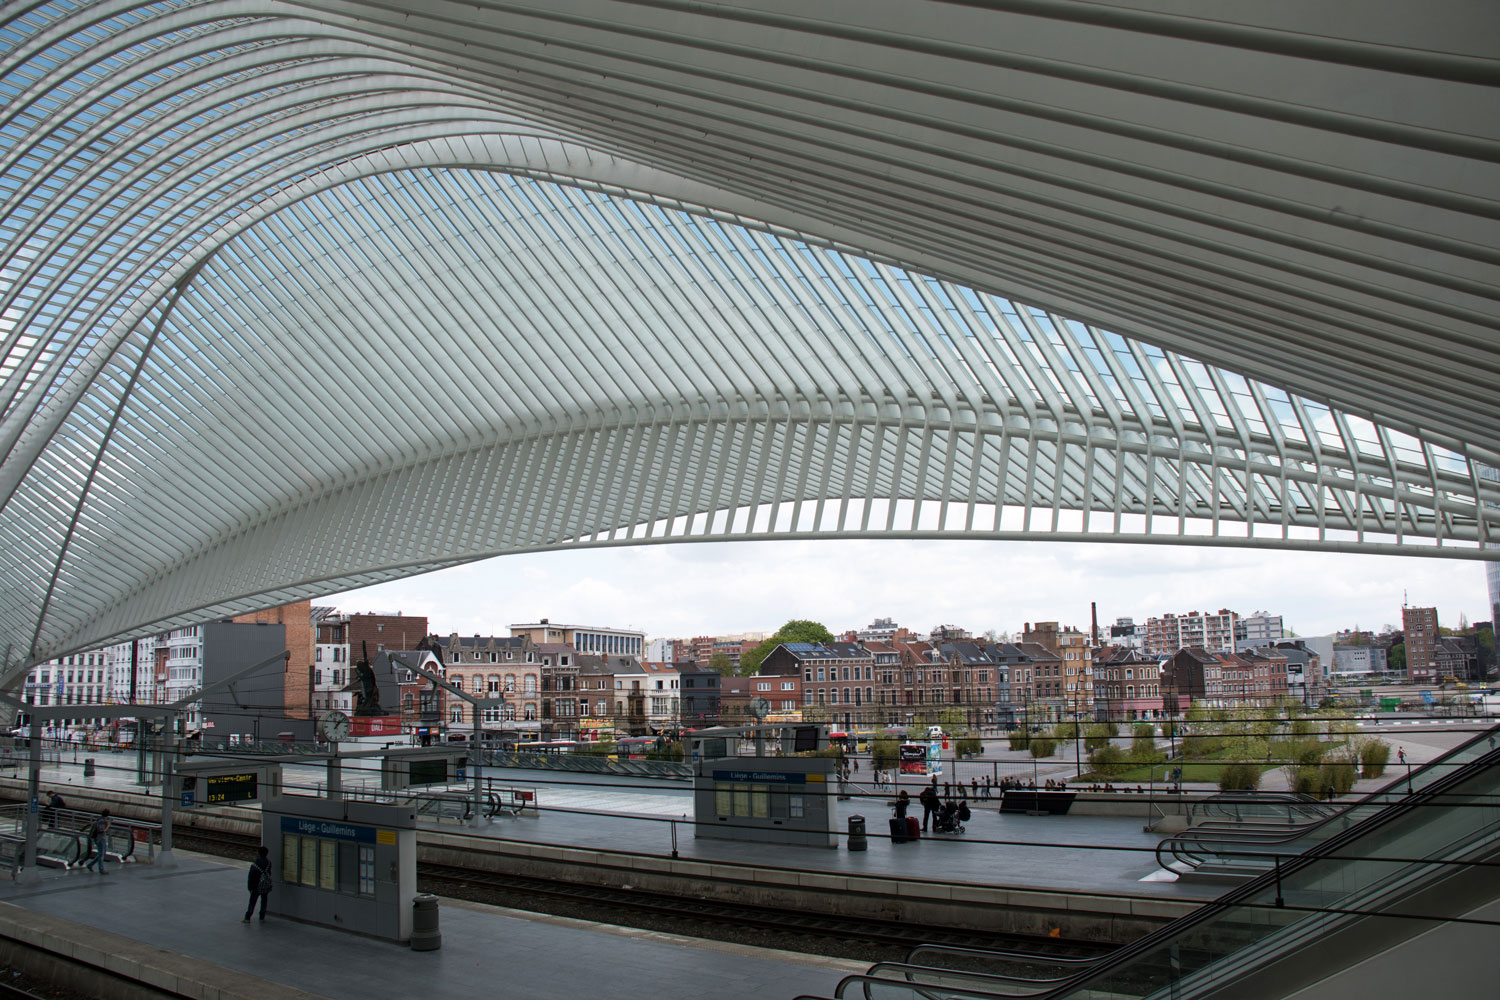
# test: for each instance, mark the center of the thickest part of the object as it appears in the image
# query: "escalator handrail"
(911, 970)
(1019, 956)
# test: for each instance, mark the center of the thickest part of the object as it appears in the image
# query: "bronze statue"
(368, 701)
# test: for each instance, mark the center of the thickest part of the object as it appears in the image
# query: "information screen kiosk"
(344, 864)
(784, 800)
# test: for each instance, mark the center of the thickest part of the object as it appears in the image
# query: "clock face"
(334, 726)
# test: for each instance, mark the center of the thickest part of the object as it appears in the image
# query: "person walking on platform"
(929, 800)
(99, 835)
(55, 806)
(259, 883)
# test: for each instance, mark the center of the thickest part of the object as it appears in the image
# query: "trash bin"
(88, 767)
(425, 935)
(857, 841)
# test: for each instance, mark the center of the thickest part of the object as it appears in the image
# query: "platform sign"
(218, 788)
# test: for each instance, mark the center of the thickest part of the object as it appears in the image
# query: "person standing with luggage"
(259, 883)
(99, 835)
(929, 800)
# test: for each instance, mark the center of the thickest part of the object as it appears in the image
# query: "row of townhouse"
(1046, 676)
(1131, 686)
(551, 690)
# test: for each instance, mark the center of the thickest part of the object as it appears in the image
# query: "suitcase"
(898, 831)
(913, 828)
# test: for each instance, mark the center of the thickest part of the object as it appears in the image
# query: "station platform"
(638, 816)
(1073, 853)
(181, 927)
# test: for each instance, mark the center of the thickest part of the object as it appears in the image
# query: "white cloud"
(691, 589)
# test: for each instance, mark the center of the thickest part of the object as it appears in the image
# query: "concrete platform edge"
(97, 961)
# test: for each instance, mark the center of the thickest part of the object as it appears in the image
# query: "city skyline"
(681, 590)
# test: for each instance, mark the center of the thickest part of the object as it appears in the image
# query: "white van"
(934, 732)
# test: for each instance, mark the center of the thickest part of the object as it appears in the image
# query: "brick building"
(301, 642)
(1420, 626)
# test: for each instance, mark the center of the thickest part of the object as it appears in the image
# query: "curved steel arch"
(637, 334)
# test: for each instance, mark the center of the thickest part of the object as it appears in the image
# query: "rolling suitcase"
(898, 831)
(913, 828)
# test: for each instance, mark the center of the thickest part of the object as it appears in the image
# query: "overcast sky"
(682, 590)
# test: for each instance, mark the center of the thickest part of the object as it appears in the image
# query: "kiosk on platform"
(344, 864)
(781, 799)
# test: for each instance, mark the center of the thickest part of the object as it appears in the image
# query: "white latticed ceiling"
(298, 297)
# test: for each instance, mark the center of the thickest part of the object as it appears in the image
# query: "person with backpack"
(930, 803)
(99, 835)
(259, 883)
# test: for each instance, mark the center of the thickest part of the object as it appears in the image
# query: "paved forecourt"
(181, 926)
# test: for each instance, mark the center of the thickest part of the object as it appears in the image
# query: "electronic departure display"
(230, 788)
(431, 771)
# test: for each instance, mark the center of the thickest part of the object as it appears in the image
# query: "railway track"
(863, 939)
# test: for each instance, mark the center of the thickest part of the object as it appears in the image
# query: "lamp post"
(1077, 743)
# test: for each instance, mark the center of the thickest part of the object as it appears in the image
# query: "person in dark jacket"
(903, 802)
(930, 802)
(259, 883)
(99, 838)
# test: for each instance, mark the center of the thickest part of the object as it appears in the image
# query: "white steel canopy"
(298, 297)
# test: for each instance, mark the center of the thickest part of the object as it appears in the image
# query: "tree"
(720, 662)
(1395, 658)
(796, 630)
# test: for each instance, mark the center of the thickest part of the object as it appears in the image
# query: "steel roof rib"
(297, 296)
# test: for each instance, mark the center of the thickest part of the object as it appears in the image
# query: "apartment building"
(597, 640)
(1127, 685)
(1420, 626)
(1213, 632)
(1259, 629)
(507, 667)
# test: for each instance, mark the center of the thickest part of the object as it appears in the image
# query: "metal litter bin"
(425, 935)
(857, 841)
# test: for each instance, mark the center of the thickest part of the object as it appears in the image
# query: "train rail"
(744, 923)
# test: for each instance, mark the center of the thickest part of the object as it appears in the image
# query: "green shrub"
(1337, 773)
(1097, 736)
(885, 753)
(667, 750)
(1143, 752)
(1239, 777)
(1041, 746)
(969, 746)
(1143, 731)
(1019, 739)
(1108, 761)
(1171, 730)
(1197, 746)
(1308, 752)
(1373, 757)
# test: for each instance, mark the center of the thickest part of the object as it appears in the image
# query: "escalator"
(1245, 841)
(1354, 908)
